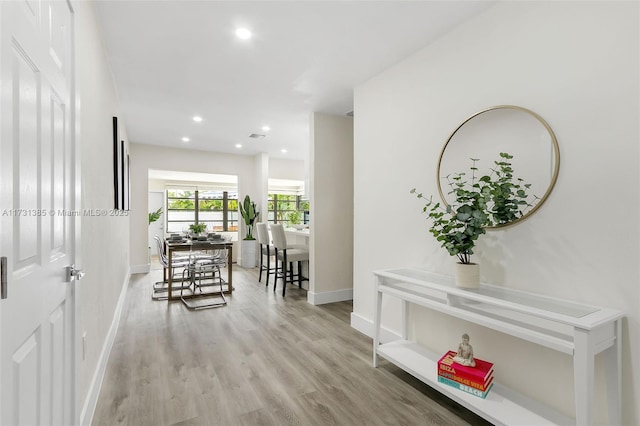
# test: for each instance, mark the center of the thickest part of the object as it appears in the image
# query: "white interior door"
(36, 218)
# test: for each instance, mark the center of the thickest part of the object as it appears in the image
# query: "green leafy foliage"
(508, 194)
(154, 216)
(197, 228)
(295, 217)
(249, 212)
(211, 205)
(489, 200)
(182, 204)
(304, 205)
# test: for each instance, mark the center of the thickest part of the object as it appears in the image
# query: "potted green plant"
(294, 217)
(489, 200)
(197, 228)
(154, 216)
(250, 213)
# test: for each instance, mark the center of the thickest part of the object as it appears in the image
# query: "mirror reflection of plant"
(509, 197)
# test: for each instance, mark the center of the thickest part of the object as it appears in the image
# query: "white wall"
(104, 248)
(280, 168)
(261, 197)
(577, 65)
(331, 192)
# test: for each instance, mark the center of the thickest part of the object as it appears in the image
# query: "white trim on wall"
(90, 402)
(330, 296)
(366, 327)
(141, 269)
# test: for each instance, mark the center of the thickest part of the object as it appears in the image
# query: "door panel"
(26, 381)
(58, 34)
(57, 330)
(36, 122)
(26, 103)
(57, 166)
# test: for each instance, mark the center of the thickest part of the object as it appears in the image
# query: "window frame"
(272, 200)
(227, 217)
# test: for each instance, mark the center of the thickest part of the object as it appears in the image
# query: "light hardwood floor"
(260, 360)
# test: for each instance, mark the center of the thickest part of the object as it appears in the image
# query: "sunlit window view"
(214, 208)
(288, 209)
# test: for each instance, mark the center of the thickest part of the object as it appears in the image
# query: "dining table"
(196, 245)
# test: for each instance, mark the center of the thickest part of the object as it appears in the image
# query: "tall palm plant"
(249, 211)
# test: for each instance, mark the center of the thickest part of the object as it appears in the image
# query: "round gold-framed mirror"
(511, 129)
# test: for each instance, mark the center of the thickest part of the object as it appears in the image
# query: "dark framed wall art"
(117, 182)
(125, 175)
(121, 175)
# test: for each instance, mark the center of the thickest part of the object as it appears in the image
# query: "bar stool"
(287, 255)
(266, 250)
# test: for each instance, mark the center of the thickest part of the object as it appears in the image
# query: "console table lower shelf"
(501, 406)
(579, 330)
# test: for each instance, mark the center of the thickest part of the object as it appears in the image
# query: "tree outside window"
(284, 208)
(216, 208)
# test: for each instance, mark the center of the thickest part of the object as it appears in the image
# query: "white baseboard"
(330, 296)
(89, 406)
(366, 327)
(141, 269)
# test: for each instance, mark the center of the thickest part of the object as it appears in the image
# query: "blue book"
(465, 388)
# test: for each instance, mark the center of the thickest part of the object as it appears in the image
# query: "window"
(215, 208)
(288, 208)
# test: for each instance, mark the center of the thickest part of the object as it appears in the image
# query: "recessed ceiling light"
(283, 151)
(266, 128)
(243, 33)
(185, 139)
(238, 145)
(197, 119)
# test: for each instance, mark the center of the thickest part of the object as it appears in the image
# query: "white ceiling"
(172, 60)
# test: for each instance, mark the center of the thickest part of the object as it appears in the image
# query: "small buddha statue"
(465, 352)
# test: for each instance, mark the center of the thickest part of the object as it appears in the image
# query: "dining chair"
(180, 261)
(266, 251)
(199, 272)
(287, 255)
(178, 264)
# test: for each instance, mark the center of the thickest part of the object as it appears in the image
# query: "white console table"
(581, 331)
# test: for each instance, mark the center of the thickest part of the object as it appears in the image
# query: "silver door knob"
(74, 274)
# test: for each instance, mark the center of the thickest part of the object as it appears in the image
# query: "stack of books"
(474, 380)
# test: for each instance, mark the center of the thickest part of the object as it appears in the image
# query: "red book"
(480, 374)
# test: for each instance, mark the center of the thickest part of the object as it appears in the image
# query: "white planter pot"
(248, 253)
(467, 275)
